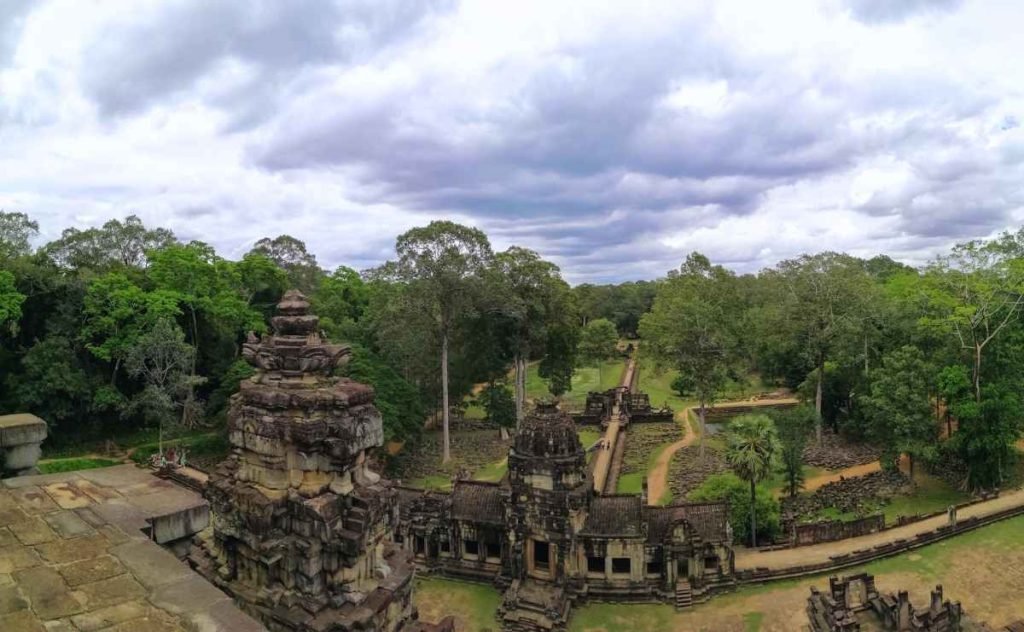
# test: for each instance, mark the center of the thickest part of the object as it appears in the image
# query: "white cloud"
(612, 137)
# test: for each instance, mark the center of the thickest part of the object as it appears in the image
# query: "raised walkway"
(612, 436)
(795, 558)
(73, 556)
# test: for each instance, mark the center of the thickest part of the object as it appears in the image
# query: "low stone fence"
(832, 530)
(862, 556)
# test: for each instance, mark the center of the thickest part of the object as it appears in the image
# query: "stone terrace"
(73, 558)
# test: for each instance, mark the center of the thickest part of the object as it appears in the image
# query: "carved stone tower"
(549, 493)
(301, 528)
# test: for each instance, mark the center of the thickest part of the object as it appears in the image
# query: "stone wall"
(858, 494)
(831, 530)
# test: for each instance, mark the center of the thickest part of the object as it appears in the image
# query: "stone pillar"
(20, 439)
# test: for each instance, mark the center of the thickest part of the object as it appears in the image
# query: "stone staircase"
(684, 594)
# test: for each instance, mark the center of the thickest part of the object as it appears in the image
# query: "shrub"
(728, 487)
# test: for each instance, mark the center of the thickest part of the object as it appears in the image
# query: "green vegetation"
(475, 605)
(52, 466)
(207, 444)
(736, 492)
(584, 380)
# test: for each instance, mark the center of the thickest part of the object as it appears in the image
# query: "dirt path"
(816, 482)
(816, 553)
(657, 478)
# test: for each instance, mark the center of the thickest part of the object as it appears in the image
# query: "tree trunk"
(195, 358)
(447, 455)
(753, 515)
(520, 399)
(977, 373)
(818, 393)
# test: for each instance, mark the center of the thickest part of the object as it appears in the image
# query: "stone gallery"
(301, 529)
(549, 539)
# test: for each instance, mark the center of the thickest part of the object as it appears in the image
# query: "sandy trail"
(657, 478)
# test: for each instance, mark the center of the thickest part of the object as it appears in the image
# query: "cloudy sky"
(612, 137)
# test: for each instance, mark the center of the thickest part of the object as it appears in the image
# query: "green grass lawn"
(73, 464)
(932, 494)
(584, 380)
(196, 445)
(474, 605)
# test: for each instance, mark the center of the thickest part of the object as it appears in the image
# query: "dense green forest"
(110, 329)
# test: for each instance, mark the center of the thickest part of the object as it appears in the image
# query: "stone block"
(179, 524)
(91, 570)
(22, 457)
(48, 593)
(21, 429)
(110, 616)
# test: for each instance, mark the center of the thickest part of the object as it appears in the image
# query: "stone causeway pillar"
(21, 437)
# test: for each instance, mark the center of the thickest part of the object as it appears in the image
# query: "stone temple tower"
(548, 501)
(301, 528)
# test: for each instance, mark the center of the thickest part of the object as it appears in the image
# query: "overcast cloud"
(614, 138)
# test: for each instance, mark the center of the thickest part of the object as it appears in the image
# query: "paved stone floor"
(73, 557)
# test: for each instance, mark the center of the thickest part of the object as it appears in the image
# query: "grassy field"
(584, 380)
(965, 566)
(52, 466)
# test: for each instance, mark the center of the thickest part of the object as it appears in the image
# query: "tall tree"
(441, 265)
(898, 408)
(164, 361)
(751, 449)
(532, 294)
(975, 293)
(823, 302)
(16, 231)
(116, 244)
(793, 425)
(291, 255)
(693, 329)
(598, 344)
(10, 299)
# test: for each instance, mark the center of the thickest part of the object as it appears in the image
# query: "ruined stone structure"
(630, 405)
(301, 531)
(853, 603)
(547, 537)
(21, 438)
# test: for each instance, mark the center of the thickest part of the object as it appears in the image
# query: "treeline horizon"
(123, 326)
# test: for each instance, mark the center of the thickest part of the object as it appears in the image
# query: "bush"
(499, 403)
(728, 487)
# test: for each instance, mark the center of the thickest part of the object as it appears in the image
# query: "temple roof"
(614, 516)
(547, 431)
(476, 501)
(709, 520)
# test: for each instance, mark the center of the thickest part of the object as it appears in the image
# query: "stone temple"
(548, 539)
(301, 531)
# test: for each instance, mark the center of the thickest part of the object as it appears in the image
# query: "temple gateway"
(548, 538)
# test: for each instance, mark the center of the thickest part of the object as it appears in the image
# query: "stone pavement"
(73, 557)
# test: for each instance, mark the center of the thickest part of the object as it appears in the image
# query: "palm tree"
(750, 451)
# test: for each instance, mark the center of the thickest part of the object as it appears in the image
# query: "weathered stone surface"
(68, 524)
(48, 593)
(32, 499)
(91, 570)
(32, 531)
(13, 558)
(11, 599)
(21, 621)
(67, 495)
(64, 551)
(60, 625)
(108, 592)
(150, 564)
(109, 616)
(6, 537)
